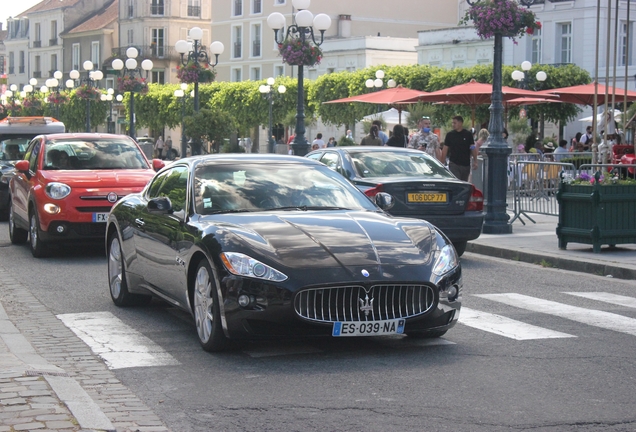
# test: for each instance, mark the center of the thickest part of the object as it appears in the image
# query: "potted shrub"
(597, 210)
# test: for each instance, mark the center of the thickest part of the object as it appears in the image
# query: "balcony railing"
(37, 74)
(53, 42)
(37, 44)
(238, 50)
(194, 11)
(149, 51)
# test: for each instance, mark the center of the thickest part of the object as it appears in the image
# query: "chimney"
(344, 26)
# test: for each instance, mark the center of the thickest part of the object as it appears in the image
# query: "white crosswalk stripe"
(607, 298)
(506, 327)
(118, 344)
(605, 320)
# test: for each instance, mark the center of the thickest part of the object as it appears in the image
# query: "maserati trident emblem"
(112, 197)
(365, 273)
(366, 305)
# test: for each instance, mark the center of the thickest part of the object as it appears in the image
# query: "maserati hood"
(329, 239)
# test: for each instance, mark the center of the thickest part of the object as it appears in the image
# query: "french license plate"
(427, 197)
(100, 217)
(368, 328)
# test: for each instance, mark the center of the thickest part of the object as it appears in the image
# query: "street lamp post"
(131, 67)
(378, 82)
(12, 94)
(55, 84)
(181, 93)
(108, 97)
(524, 80)
(496, 149)
(300, 30)
(92, 76)
(267, 91)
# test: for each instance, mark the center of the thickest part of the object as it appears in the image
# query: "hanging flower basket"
(195, 72)
(501, 16)
(87, 92)
(58, 98)
(299, 53)
(132, 84)
(32, 102)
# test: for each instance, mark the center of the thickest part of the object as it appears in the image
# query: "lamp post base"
(300, 149)
(495, 188)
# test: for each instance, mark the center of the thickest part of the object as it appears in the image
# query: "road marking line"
(607, 298)
(118, 344)
(506, 327)
(605, 320)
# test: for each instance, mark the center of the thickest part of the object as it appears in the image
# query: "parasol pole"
(594, 129)
(627, 48)
(607, 68)
(615, 61)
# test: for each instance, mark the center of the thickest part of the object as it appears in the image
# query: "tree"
(211, 124)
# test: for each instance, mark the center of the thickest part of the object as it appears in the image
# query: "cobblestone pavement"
(51, 381)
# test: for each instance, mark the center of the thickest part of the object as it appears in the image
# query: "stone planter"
(596, 214)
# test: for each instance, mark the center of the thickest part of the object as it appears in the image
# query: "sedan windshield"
(397, 164)
(95, 154)
(275, 187)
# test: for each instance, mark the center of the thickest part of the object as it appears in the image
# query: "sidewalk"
(51, 381)
(538, 244)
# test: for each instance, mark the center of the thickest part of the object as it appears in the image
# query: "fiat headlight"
(243, 265)
(58, 190)
(446, 260)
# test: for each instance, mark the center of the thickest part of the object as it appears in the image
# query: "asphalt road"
(581, 378)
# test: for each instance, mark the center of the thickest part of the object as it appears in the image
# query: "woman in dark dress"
(397, 139)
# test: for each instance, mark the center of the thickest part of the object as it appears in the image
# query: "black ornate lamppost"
(132, 83)
(55, 86)
(304, 26)
(496, 148)
(377, 83)
(108, 97)
(268, 92)
(11, 95)
(92, 77)
(193, 54)
(526, 82)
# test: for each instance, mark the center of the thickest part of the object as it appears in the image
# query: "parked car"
(67, 184)
(422, 187)
(15, 134)
(270, 245)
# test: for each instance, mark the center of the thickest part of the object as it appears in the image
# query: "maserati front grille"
(355, 303)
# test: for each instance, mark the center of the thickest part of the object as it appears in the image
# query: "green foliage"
(211, 124)
(577, 161)
(518, 129)
(73, 113)
(419, 110)
(230, 147)
(345, 142)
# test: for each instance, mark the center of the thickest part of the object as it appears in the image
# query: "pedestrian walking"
(159, 145)
(397, 139)
(482, 137)
(319, 141)
(427, 141)
(168, 147)
(373, 139)
(459, 146)
(384, 137)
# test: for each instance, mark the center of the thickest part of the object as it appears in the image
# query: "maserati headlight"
(243, 265)
(446, 260)
(58, 190)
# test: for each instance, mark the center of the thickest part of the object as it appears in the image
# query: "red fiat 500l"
(68, 183)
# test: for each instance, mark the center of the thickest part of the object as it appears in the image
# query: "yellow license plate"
(427, 197)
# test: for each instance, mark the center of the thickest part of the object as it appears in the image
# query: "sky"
(11, 8)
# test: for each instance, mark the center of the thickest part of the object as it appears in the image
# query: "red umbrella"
(472, 94)
(584, 94)
(391, 96)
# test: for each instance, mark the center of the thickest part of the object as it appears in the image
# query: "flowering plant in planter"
(609, 178)
(87, 92)
(501, 16)
(58, 98)
(194, 72)
(299, 53)
(132, 84)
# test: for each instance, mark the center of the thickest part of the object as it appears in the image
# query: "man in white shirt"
(319, 141)
(586, 139)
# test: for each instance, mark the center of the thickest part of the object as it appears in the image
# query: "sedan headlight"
(243, 265)
(446, 260)
(58, 190)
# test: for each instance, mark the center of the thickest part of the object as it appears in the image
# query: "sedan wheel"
(17, 235)
(38, 249)
(117, 277)
(207, 311)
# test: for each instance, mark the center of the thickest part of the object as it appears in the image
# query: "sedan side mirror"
(160, 205)
(22, 166)
(157, 164)
(384, 200)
